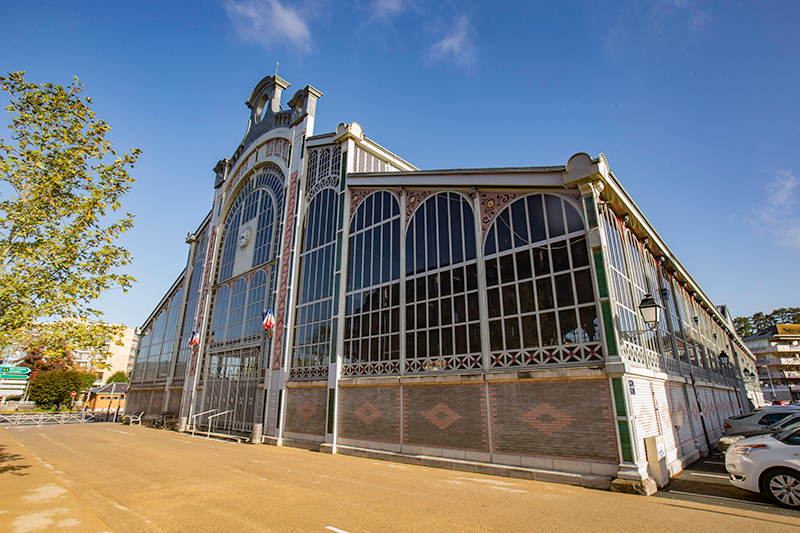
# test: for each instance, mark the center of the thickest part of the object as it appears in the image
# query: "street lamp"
(651, 314)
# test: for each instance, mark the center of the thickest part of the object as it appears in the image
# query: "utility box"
(657, 459)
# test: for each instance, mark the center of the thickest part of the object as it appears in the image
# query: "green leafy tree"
(53, 388)
(62, 183)
(118, 377)
(749, 325)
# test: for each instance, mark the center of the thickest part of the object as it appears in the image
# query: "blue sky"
(695, 105)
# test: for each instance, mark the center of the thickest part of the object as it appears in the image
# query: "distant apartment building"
(120, 358)
(777, 351)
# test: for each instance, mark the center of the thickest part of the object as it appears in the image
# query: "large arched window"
(442, 311)
(540, 296)
(312, 332)
(372, 321)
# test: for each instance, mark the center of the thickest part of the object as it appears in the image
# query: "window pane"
(555, 219)
(529, 331)
(527, 303)
(455, 229)
(434, 348)
(433, 313)
(491, 272)
(569, 327)
(580, 255)
(472, 277)
(524, 265)
(519, 224)
(444, 234)
(583, 285)
(510, 300)
(493, 302)
(496, 335)
(503, 225)
(422, 322)
(589, 324)
(458, 280)
(564, 290)
(512, 333)
(461, 339)
(544, 293)
(410, 317)
(536, 218)
(574, 222)
(560, 256)
(472, 306)
(447, 341)
(507, 268)
(447, 312)
(548, 328)
(474, 338)
(541, 260)
(460, 307)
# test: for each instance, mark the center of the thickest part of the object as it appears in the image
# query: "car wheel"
(782, 486)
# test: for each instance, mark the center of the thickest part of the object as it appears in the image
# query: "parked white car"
(769, 464)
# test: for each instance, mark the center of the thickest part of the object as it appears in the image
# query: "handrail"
(194, 418)
(212, 416)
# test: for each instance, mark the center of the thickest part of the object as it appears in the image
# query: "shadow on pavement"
(7, 463)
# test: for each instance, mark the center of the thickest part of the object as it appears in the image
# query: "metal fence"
(39, 419)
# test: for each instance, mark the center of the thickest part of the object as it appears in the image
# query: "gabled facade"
(480, 316)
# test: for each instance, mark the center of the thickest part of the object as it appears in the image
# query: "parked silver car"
(758, 419)
(726, 441)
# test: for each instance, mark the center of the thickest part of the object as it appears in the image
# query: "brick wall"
(370, 413)
(446, 416)
(563, 419)
(306, 410)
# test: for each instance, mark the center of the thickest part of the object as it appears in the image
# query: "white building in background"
(777, 351)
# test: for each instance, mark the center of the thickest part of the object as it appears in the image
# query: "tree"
(53, 388)
(62, 183)
(118, 377)
(749, 325)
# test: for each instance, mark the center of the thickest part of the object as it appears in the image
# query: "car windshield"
(788, 431)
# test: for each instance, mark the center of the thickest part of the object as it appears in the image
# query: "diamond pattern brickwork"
(370, 413)
(446, 416)
(556, 419)
(305, 410)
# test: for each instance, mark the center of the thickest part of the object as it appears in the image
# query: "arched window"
(236, 315)
(442, 311)
(256, 302)
(372, 321)
(540, 297)
(220, 315)
(265, 247)
(312, 333)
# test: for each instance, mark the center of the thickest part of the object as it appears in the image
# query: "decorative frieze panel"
(491, 205)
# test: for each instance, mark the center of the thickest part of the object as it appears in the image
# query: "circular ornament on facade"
(244, 237)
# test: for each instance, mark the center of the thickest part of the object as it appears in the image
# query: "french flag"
(268, 319)
(195, 338)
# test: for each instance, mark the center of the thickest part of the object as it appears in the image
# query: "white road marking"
(118, 431)
(719, 498)
(709, 475)
(508, 490)
(490, 481)
(714, 463)
(336, 529)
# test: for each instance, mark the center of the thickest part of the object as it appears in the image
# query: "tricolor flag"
(268, 319)
(195, 338)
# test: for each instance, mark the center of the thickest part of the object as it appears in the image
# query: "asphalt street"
(103, 477)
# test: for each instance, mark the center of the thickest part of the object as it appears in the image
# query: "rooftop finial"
(276, 69)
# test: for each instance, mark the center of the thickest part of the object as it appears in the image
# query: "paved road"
(105, 477)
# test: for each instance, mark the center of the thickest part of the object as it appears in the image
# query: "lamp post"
(651, 314)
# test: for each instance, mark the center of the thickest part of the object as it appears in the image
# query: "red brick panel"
(446, 416)
(306, 410)
(156, 403)
(175, 401)
(370, 413)
(555, 419)
(136, 401)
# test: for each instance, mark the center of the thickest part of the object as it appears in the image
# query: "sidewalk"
(34, 499)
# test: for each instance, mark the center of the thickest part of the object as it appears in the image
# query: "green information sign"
(14, 370)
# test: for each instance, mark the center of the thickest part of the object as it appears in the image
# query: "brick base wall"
(370, 413)
(446, 416)
(306, 410)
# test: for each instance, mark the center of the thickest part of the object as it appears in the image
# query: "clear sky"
(695, 105)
